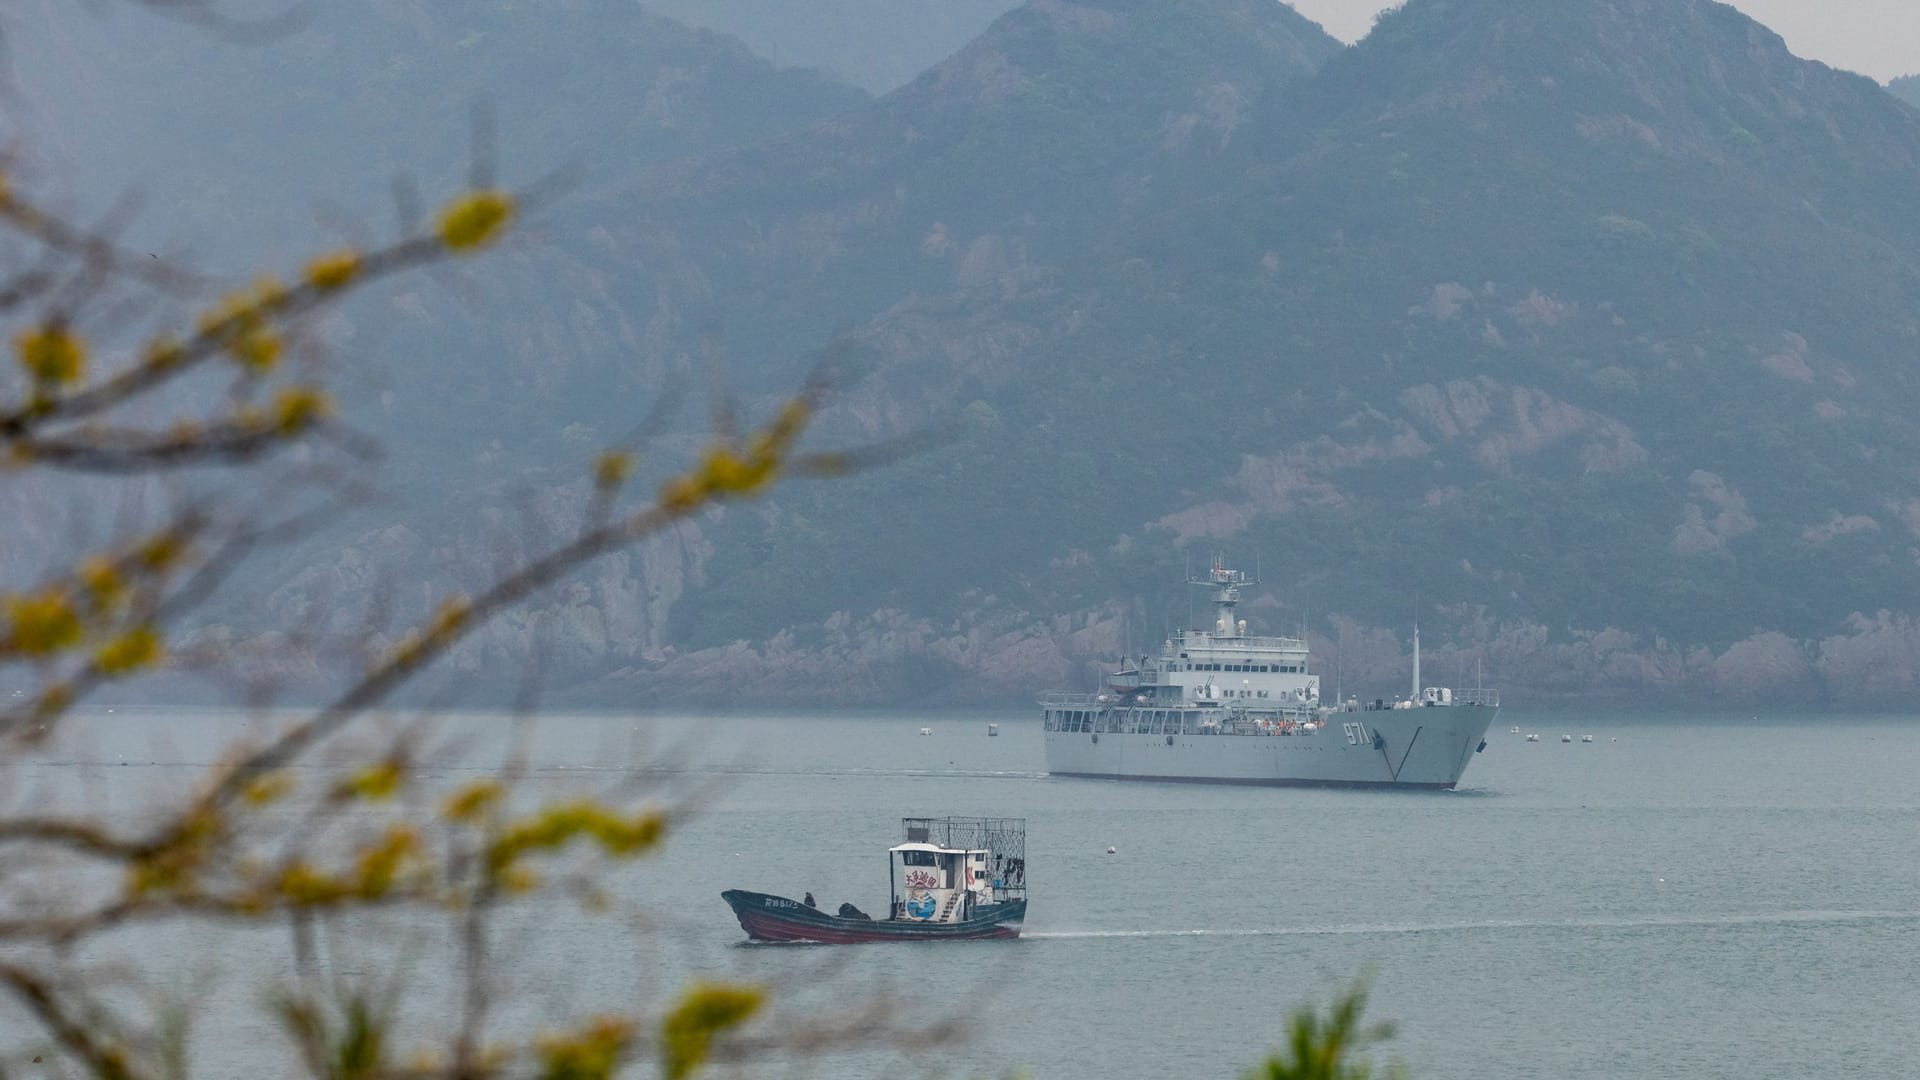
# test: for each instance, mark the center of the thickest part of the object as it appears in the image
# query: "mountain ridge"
(1353, 230)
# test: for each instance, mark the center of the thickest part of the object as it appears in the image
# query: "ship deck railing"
(1208, 639)
(1065, 700)
(1489, 698)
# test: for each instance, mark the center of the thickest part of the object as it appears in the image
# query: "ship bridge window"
(918, 858)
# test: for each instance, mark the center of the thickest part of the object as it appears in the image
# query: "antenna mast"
(1226, 585)
(1416, 663)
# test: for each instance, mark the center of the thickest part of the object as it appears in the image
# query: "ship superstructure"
(1220, 705)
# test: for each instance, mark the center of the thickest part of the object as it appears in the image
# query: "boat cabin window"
(918, 858)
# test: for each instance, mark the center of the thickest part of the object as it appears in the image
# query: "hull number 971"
(1356, 733)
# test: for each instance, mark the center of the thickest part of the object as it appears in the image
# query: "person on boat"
(809, 901)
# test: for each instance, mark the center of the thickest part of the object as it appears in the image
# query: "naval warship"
(1222, 706)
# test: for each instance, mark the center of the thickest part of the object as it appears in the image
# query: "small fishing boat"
(954, 879)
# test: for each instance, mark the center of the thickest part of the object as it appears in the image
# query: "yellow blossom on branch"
(468, 803)
(705, 1011)
(519, 880)
(40, 624)
(267, 788)
(731, 470)
(162, 551)
(103, 582)
(557, 826)
(379, 866)
(334, 270)
(375, 783)
(52, 354)
(258, 349)
(174, 866)
(296, 408)
(136, 649)
(475, 219)
(591, 1053)
(612, 469)
(305, 886)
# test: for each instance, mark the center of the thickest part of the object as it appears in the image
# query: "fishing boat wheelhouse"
(954, 878)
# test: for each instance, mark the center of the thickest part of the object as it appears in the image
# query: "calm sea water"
(1700, 899)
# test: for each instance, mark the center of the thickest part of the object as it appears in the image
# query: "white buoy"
(926, 731)
(1111, 850)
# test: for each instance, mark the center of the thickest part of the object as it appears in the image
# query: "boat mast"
(1416, 663)
(1226, 585)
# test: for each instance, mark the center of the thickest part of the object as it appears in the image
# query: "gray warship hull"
(1222, 706)
(1402, 748)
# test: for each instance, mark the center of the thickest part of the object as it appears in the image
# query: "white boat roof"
(938, 850)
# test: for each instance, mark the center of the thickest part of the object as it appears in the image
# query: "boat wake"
(1630, 922)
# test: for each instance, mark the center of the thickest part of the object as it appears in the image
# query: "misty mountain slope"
(1567, 316)
(358, 92)
(1635, 368)
(1584, 330)
(1907, 89)
(1007, 161)
(364, 92)
(876, 44)
(945, 226)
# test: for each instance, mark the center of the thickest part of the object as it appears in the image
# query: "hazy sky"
(1880, 38)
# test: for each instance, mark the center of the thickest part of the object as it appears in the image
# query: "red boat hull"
(776, 918)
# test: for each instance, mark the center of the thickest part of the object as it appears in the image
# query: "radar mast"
(1226, 586)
